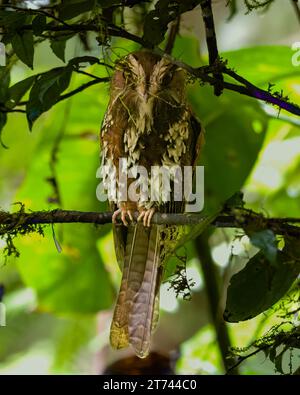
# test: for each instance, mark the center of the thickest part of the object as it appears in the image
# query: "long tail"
(135, 309)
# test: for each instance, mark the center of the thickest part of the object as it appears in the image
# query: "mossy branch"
(235, 218)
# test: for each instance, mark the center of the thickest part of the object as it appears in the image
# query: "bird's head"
(150, 76)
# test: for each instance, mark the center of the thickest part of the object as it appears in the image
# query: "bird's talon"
(130, 215)
(151, 213)
(115, 216)
(123, 218)
(140, 217)
(146, 216)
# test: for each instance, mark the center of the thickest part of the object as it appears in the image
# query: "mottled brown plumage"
(148, 122)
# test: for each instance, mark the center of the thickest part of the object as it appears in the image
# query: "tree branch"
(95, 77)
(247, 88)
(111, 30)
(203, 73)
(214, 298)
(238, 218)
(212, 74)
(37, 11)
(4, 109)
(96, 80)
(211, 40)
(174, 29)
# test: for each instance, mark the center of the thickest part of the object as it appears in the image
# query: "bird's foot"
(146, 216)
(122, 213)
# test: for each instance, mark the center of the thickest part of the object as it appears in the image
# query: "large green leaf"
(39, 24)
(165, 11)
(3, 119)
(46, 91)
(12, 19)
(18, 90)
(58, 45)
(231, 144)
(281, 199)
(5, 80)
(75, 280)
(72, 8)
(23, 46)
(260, 285)
(235, 130)
(262, 64)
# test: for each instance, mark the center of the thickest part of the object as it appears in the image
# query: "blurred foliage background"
(59, 303)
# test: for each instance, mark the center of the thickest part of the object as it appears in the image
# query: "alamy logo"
(2, 55)
(161, 184)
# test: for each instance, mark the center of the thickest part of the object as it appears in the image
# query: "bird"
(148, 123)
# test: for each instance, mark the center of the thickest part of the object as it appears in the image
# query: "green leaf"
(3, 119)
(76, 280)
(259, 285)
(157, 20)
(72, 338)
(229, 123)
(12, 19)
(278, 361)
(18, 90)
(58, 47)
(190, 233)
(71, 8)
(108, 3)
(39, 24)
(266, 241)
(23, 46)
(232, 9)
(5, 80)
(46, 91)
(56, 242)
(272, 354)
(262, 64)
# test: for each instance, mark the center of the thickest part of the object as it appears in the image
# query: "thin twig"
(214, 300)
(71, 93)
(35, 11)
(243, 358)
(172, 36)
(112, 30)
(247, 89)
(83, 87)
(88, 74)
